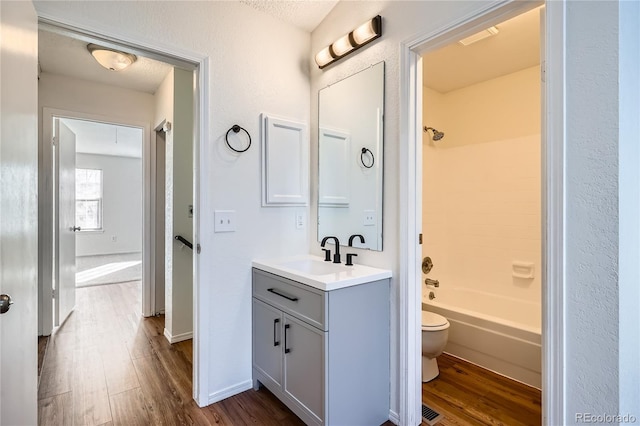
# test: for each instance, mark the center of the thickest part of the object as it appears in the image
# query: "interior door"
(18, 213)
(65, 283)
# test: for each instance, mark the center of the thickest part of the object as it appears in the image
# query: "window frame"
(99, 200)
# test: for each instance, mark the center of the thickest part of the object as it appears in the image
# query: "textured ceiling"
(514, 48)
(304, 14)
(106, 139)
(63, 55)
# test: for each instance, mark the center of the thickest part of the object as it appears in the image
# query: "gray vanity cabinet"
(324, 354)
(267, 337)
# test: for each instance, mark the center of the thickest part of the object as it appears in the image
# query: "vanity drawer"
(299, 300)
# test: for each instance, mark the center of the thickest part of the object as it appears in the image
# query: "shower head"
(436, 134)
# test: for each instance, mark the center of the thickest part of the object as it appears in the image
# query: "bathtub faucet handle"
(429, 281)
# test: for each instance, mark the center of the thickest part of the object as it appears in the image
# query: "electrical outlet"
(114, 238)
(300, 219)
(224, 221)
(369, 218)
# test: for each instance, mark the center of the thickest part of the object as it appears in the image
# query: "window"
(89, 199)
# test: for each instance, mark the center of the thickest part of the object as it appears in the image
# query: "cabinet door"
(304, 365)
(267, 341)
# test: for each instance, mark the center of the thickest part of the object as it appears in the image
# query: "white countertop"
(315, 272)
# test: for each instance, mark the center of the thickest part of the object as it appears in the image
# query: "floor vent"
(430, 416)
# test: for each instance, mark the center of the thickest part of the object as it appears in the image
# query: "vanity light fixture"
(111, 59)
(365, 33)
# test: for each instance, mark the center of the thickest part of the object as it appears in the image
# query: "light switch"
(225, 221)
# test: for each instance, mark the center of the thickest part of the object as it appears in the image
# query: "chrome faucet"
(336, 256)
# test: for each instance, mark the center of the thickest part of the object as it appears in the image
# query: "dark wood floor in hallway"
(109, 366)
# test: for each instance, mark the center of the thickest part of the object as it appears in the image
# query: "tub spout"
(429, 281)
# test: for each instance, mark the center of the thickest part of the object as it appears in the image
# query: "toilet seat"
(433, 322)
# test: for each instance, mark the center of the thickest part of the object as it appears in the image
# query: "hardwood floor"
(42, 350)
(469, 395)
(106, 365)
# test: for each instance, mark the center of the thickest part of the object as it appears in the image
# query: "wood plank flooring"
(469, 395)
(42, 350)
(106, 365)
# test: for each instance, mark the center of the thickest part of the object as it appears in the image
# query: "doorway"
(481, 210)
(108, 202)
(196, 88)
(105, 218)
(411, 199)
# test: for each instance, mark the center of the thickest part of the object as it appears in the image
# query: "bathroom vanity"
(321, 339)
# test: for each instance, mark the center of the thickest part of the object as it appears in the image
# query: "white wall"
(481, 182)
(60, 92)
(591, 233)
(121, 206)
(250, 72)
(629, 208)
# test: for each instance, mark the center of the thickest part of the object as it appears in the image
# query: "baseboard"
(178, 337)
(394, 417)
(230, 391)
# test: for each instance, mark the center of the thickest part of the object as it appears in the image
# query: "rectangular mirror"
(350, 151)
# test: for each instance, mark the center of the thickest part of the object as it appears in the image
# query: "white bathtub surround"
(482, 215)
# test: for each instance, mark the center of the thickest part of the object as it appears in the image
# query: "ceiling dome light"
(111, 59)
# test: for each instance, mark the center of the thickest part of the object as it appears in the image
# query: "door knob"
(76, 229)
(5, 303)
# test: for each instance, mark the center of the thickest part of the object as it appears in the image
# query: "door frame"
(48, 204)
(199, 63)
(553, 142)
(153, 237)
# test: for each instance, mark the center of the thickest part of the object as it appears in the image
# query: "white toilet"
(435, 331)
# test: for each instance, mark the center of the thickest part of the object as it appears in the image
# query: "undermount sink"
(315, 272)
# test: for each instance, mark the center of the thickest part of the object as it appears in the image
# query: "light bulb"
(342, 45)
(324, 57)
(364, 32)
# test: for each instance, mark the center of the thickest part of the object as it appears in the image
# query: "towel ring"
(373, 159)
(236, 129)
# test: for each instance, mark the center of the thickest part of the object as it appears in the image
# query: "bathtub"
(498, 333)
